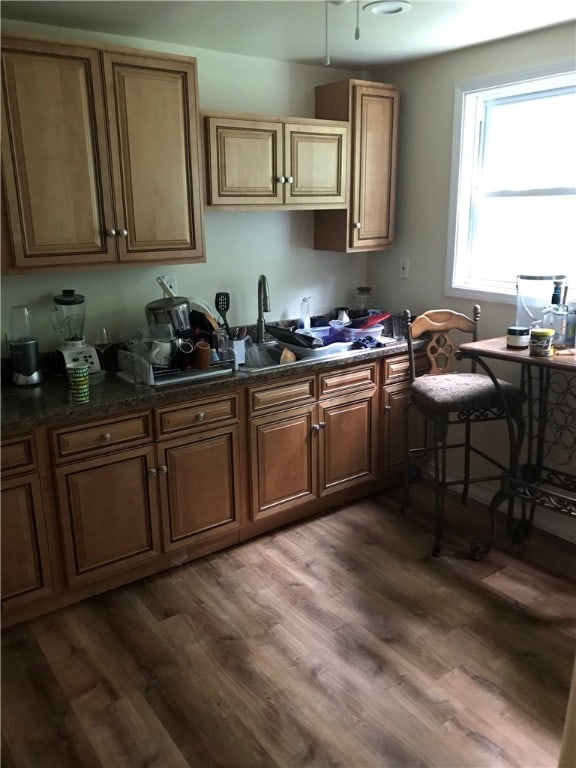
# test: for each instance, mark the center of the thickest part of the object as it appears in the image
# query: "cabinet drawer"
(283, 395)
(19, 455)
(102, 436)
(348, 380)
(397, 369)
(179, 419)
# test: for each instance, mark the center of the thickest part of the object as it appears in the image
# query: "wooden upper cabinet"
(154, 146)
(271, 162)
(100, 156)
(55, 155)
(372, 109)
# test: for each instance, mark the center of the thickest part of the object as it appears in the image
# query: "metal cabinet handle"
(152, 471)
(387, 407)
(357, 225)
(122, 233)
(200, 416)
(316, 427)
(322, 424)
(111, 232)
(289, 179)
(281, 179)
(106, 437)
(162, 469)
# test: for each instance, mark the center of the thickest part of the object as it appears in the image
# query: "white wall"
(425, 147)
(239, 245)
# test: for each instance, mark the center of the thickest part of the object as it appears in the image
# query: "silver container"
(175, 311)
(25, 362)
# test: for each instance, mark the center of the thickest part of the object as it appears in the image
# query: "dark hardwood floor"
(335, 642)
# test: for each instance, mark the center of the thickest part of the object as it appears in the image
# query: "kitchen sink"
(266, 356)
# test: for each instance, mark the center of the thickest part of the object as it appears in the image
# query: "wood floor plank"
(338, 642)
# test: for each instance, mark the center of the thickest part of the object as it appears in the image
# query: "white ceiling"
(294, 30)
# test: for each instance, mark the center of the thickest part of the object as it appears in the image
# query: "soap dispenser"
(305, 313)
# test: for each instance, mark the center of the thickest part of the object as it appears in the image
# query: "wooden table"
(546, 475)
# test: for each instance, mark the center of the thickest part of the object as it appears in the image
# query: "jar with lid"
(362, 297)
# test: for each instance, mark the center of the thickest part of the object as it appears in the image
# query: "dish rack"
(135, 370)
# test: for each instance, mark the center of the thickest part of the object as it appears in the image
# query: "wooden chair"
(446, 397)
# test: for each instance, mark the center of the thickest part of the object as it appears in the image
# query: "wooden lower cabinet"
(303, 454)
(26, 567)
(200, 486)
(284, 467)
(109, 514)
(348, 442)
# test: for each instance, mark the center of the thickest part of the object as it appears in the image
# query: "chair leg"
(440, 481)
(467, 453)
(407, 465)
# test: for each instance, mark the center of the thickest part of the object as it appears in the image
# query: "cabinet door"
(375, 118)
(245, 162)
(283, 460)
(154, 146)
(316, 159)
(349, 442)
(55, 155)
(26, 571)
(200, 486)
(109, 514)
(396, 400)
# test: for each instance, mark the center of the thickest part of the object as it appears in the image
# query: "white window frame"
(463, 164)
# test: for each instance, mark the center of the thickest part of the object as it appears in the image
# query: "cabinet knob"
(162, 469)
(106, 437)
(111, 232)
(152, 471)
(122, 233)
(289, 179)
(322, 424)
(387, 407)
(281, 179)
(316, 427)
(357, 225)
(200, 416)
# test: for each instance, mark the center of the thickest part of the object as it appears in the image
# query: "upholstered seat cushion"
(460, 392)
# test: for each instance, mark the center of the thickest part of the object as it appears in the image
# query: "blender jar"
(69, 314)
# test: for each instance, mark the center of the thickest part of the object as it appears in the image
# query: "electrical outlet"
(170, 281)
(404, 267)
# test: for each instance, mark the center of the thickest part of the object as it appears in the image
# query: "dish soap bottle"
(305, 313)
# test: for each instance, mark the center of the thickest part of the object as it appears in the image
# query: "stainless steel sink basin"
(266, 356)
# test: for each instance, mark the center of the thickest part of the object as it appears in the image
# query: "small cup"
(202, 355)
(79, 380)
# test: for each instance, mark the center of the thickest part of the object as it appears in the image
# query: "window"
(513, 189)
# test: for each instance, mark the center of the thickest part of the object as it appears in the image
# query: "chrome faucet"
(263, 306)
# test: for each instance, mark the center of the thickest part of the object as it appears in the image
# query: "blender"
(68, 316)
(23, 348)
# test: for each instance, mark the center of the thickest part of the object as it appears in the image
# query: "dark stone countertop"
(50, 403)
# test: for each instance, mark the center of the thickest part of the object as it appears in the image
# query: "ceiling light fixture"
(388, 7)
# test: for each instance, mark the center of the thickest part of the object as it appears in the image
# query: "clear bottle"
(305, 313)
(571, 325)
(555, 316)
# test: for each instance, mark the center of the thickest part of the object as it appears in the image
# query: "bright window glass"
(513, 193)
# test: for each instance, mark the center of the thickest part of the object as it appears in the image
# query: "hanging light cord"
(357, 30)
(326, 52)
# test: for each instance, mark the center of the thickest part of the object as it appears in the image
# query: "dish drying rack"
(138, 371)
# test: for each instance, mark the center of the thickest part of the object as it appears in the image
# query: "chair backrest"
(441, 349)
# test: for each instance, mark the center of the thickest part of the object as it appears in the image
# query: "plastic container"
(354, 334)
(541, 342)
(518, 337)
(571, 324)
